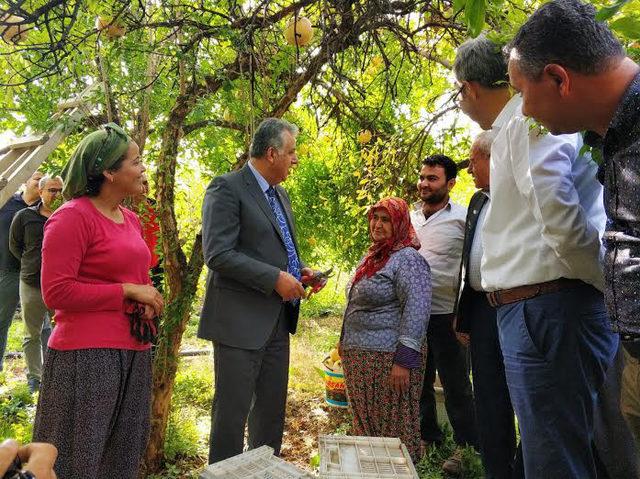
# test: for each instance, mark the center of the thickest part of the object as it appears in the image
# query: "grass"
(14, 342)
(188, 430)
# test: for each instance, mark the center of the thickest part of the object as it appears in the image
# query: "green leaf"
(474, 12)
(605, 13)
(627, 26)
(458, 5)
(314, 462)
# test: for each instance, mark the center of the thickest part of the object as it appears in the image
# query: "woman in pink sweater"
(94, 402)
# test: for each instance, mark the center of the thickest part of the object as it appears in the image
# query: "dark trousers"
(250, 388)
(448, 357)
(494, 414)
(557, 348)
(9, 299)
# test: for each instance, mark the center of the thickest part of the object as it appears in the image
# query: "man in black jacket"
(477, 327)
(253, 292)
(10, 266)
(25, 242)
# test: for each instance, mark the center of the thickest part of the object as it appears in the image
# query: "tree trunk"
(177, 314)
(182, 277)
(181, 280)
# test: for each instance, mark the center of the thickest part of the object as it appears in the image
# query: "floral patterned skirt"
(379, 411)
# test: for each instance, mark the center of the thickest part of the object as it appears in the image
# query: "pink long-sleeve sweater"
(86, 257)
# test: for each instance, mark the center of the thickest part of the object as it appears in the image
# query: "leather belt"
(520, 293)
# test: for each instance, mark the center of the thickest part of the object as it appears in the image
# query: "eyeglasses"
(54, 191)
(455, 98)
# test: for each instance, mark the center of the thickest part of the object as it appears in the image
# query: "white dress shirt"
(546, 215)
(441, 237)
(475, 252)
(262, 183)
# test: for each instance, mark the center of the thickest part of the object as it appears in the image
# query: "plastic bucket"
(335, 388)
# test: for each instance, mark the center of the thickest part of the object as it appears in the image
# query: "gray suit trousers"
(250, 387)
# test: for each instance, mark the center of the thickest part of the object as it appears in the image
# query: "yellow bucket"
(335, 387)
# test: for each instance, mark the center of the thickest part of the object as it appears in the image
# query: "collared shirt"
(441, 238)
(546, 217)
(264, 184)
(475, 253)
(8, 262)
(621, 168)
(25, 243)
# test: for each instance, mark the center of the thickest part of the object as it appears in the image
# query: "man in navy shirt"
(9, 265)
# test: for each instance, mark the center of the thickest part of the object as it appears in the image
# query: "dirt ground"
(307, 417)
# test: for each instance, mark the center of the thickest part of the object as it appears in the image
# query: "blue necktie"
(293, 263)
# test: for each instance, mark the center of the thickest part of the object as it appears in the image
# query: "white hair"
(45, 178)
(484, 141)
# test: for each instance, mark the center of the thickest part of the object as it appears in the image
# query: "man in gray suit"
(253, 292)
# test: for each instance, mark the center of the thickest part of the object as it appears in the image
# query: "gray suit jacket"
(244, 251)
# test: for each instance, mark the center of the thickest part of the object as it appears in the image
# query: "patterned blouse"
(391, 307)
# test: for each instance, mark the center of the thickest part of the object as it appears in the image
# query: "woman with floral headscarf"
(384, 329)
(94, 403)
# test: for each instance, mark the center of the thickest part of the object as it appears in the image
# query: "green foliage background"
(372, 65)
(388, 91)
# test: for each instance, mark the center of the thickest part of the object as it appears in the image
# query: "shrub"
(193, 386)
(182, 438)
(16, 414)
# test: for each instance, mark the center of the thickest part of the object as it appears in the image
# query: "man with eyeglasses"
(10, 266)
(540, 269)
(25, 243)
(574, 75)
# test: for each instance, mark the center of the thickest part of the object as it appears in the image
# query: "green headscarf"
(97, 152)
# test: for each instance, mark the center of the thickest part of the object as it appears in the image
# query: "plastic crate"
(356, 457)
(257, 463)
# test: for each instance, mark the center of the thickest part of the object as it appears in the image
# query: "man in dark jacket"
(25, 243)
(253, 292)
(574, 76)
(9, 265)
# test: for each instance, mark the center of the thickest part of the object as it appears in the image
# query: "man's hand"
(37, 458)
(8, 452)
(288, 287)
(463, 338)
(313, 278)
(399, 379)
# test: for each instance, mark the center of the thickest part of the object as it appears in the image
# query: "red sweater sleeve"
(66, 238)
